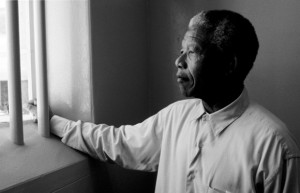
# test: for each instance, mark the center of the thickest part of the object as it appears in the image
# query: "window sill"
(42, 164)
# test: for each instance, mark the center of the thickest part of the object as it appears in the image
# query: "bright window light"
(26, 57)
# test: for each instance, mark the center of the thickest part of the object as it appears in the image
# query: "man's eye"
(191, 52)
(181, 52)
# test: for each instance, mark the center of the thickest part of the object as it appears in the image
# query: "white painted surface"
(41, 165)
(68, 58)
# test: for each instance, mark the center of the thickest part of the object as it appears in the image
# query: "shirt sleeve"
(131, 146)
(286, 179)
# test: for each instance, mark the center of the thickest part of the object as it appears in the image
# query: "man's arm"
(286, 179)
(131, 146)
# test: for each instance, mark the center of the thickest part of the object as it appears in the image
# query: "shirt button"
(191, 177)
(204, 118)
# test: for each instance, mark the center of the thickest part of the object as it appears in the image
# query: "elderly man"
(217, 140)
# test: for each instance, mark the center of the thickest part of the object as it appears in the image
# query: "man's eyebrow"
(196, 47)
(193, 36)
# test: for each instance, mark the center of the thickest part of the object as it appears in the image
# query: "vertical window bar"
(14, 73)
(41, 68)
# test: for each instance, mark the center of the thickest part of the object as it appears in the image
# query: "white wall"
(109, 87)
(274, 81)
(68, 58)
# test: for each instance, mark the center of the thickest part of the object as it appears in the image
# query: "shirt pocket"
(216, 190)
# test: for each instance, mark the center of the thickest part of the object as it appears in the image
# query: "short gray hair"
(229, 32)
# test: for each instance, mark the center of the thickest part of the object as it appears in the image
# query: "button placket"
(202, 134)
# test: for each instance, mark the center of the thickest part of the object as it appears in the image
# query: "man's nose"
(180, 62)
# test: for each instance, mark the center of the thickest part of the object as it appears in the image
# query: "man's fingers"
(32, 108)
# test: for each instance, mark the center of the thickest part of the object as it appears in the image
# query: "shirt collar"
(198, 111)
(222, 118)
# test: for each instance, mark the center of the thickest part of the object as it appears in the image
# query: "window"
(26, 57)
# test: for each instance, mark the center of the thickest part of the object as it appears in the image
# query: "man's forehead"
(192, 38)
(193, 34)
(200, 33)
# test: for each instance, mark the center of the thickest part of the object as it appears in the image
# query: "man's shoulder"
(262, 116)
(268, 126)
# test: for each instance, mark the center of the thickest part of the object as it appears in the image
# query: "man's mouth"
(181, 78)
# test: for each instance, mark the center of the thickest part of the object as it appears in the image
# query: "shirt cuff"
(58, 125)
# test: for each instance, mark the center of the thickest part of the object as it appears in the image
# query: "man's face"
(198, 72)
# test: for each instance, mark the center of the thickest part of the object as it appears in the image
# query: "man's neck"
(222, 99)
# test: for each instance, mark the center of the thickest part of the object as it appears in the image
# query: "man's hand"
(32, 108)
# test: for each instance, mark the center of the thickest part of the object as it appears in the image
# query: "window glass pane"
(25, 53)
(3, 65)
(25, 57)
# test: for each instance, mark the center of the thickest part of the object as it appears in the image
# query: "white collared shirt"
(241, 148)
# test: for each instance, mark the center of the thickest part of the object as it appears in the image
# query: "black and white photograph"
(149, 96)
